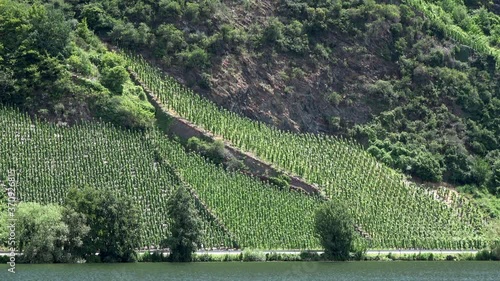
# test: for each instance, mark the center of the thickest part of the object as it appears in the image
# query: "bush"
(213, 151)
(170, 40)
(126, 112)
(495, 252)
(156, 256)
(196, 58)
(192, 11)
(273, 33)
(483, 255)
(281, 181)
(309, 256)
(96, 17)
(335, 98)
(114, 78)
(170, 9)
(359, 249)
(80, 64)
(4, 259)
(253, 255)
(235, 165)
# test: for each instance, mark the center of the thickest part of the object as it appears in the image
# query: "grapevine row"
(392, 212)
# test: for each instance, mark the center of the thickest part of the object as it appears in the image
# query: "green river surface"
(268, 271)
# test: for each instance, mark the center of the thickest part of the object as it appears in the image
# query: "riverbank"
(295, 255)
(382, 255)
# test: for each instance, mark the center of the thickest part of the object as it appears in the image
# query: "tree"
(334, 227)
(170, 40)
(50, 31)
(77, 230)
(114, 224)
(45, 236)
(185, 228)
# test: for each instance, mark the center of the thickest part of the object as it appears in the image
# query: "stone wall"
(185, 130)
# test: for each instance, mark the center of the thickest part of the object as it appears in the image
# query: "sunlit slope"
(392, 212)
(48, 160)
(444, 16)
(257, 214)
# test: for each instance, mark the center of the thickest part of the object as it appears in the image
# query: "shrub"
(192, 11)
(125, 111)
(309, 256)
(483, 255)
(156, 256)
(170, 9)
(214, 151)
(196, 58)
(4, 259)
(80, 64)
(235, 165)
(96, 17)
(335, 98)
(114, 78)
(253, 255)
(273, 33)
(282, 181)
(170, 40)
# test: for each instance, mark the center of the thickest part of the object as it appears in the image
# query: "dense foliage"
(333, 226)
(113, 221)
(48, 233)
(185, 235)
(54, 67)
(433, 114)
(393, 212)
(91, 221)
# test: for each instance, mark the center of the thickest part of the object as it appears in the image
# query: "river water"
(268, 271)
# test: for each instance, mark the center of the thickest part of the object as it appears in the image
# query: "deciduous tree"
(335, 230)
(185, 228)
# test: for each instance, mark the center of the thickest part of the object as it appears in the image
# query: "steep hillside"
(56, 69)
(415, 82)
(390, 211)
(237, 211)
(419, 93)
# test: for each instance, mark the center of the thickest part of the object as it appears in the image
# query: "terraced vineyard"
(50, 159)
(394, 213)
(256, 213)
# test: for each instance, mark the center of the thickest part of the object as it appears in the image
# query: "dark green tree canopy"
(335, 229)
(113, 221)
(49, 233)
(185, 228)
